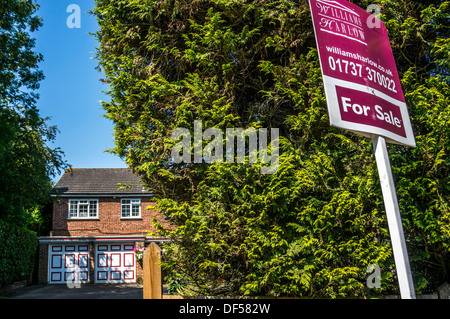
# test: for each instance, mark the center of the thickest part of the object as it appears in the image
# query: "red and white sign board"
(362, 85)
(364, 95)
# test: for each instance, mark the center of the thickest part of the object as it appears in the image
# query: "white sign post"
(364, 95)
(394, 219)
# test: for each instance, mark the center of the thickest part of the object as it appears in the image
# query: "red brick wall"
(108, 222)
(43, 261)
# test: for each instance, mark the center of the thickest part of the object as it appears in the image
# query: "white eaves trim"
(101, 195)
(118, 238)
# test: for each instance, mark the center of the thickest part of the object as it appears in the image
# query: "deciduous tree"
(27, 161)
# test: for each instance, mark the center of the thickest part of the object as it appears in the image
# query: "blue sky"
(71, 92)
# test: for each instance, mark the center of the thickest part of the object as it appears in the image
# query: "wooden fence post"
(152, 272)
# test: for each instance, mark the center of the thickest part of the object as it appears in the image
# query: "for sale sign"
(362, 86)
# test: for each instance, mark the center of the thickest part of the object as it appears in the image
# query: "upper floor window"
(131, 208)
(83, 208)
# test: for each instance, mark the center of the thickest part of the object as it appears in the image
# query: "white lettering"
(373, 20)
(379, 109)
(196, 309)
(345, 104)
(374, 280)
(236, 150)
(357, 109)
(216, 145)
(184, 146)
(74, 20)
(387, 118)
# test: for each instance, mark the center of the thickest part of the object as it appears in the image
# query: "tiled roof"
(86, 181)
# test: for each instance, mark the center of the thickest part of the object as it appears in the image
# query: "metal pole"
(394, 219)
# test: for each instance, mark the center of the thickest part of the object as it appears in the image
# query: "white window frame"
(130, 205)
(83, 203)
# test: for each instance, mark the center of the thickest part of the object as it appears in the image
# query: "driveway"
(86, 291)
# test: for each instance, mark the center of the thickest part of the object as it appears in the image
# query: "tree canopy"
(313, 227)
(27, 161)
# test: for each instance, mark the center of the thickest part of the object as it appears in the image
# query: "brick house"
(97, 224)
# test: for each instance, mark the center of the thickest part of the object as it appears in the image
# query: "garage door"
(66, 260)
(115, 263)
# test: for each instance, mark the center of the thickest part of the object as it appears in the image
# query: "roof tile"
(99, 181)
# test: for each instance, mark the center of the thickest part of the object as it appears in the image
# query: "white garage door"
(114, 263)
(66, 260)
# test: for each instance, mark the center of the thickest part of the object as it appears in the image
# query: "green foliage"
(312, 228)
(26, 160)
(420, 40)
(18, 248)
(273, 235)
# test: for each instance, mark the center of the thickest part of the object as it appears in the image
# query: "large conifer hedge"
(313, 227)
